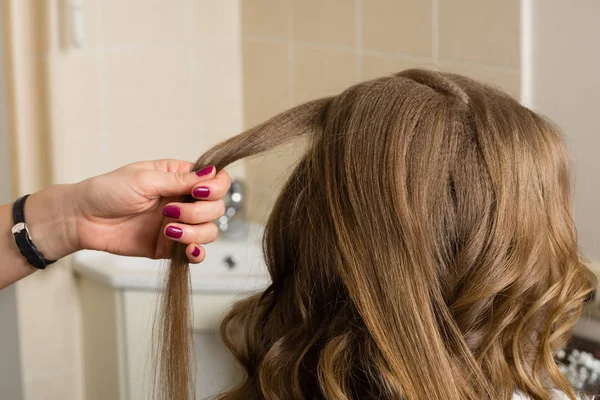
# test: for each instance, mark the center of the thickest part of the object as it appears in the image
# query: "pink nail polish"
(196, 251)
(174, 232)
(201, 192)
(205, 171)
(171, 212)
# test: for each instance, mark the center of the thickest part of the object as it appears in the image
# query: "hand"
(133, 211)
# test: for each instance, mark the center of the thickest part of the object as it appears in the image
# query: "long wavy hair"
(422, 248)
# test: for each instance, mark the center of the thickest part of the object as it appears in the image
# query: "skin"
(120, 212)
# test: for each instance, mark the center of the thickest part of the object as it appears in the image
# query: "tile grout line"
(402, 56)
(489, 67)
(358, 34)
(399, 56)
(130, 48)
(435, 40)
(102, 86)
(240, 43)
(526, 49)
(290, 44)
(192, 52)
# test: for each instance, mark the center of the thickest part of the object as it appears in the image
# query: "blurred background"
(87, 86)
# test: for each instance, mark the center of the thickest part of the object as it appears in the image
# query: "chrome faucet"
(233, 223)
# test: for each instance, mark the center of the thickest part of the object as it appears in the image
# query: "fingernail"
(196, 251)
(201, 192)
(171, 211)
(174, 232)
(205, 171)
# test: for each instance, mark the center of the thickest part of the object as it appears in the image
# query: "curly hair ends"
(422, 248)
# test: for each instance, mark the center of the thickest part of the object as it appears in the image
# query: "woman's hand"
(133, 211)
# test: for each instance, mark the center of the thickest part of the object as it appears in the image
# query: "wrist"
(51, 216)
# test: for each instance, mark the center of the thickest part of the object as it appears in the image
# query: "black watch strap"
(22, 238)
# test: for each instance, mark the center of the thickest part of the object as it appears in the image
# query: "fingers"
(195, 253)
(167, 184)
(213, 189)
(192, 234)
(195, 213)
(193, 226)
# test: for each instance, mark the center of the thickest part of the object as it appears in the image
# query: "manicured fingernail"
(201, 192)
(205, 171)
(171, 211)
(196, 251)
(174, 232)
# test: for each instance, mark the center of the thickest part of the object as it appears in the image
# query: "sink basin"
(230, 266)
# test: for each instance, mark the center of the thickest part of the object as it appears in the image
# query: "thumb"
(168, 184)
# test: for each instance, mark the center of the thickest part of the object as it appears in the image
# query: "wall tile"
(266, 176)
(75, 89)
(265, 18)
(330, 21)
(75, 115)
(57, 386)
(49, 325)
(57, 36)
(218, 90)
(149, 98)
(32, 29)
(215, 19)
(143, 22)
(394, 26)
(505, 79)
(26, 77)
(321, 72)
(565, 87)
(483, 31)
(79, 155)
(90, 24)
(376, 66)
(271, 170)
(265, 80)
(260, 202)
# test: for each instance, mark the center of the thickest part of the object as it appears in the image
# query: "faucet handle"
(231, 261)
(233, 222)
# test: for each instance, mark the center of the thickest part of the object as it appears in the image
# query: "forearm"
(50, 217)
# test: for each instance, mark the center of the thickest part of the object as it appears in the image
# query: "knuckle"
(227, 178)
(180, 179)
(197, 213)
(211, 232)
(200, 214)
(207, 211)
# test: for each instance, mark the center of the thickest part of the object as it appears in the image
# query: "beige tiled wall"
(297, 50)
(154, 79)
(568, 92)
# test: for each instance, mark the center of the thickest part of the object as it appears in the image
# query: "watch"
(23, 239)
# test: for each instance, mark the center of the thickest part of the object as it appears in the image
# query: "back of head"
(423, 247)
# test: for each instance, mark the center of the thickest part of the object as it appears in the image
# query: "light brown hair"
(422, 248)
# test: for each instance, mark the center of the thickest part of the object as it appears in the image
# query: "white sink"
(230, 266)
